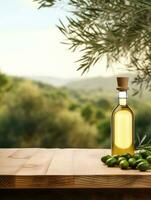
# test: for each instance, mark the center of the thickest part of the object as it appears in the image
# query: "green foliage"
(143, 118)
(104, 132)
(99, 114)
(5, 83)
(143, 126)
(80, 134)
(37, 115)
(73, 106)
(117, 29)
(103, 103)
(28, 118)
(45, 3)
(87, 112)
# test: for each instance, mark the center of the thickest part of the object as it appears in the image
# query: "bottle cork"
(122, 83)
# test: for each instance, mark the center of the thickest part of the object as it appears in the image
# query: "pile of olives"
(141, 160)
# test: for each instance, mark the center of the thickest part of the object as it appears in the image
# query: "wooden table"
(75, 170)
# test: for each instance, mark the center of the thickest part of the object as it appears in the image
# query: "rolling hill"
(97, 83)
(103, 83)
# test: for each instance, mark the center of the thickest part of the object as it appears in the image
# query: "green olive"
(148, 159)
(140, 160)
(126, 155)
(105, 158)
(132, 163)
(144, 153)
(111, 162)
(116, 156)
(124, 164)
(137, 156)
(120, 159)
(143, 166)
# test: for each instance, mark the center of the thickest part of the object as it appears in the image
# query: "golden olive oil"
(122, 126)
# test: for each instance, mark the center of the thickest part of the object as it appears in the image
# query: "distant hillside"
(104, 83)
(57, 82)
(96, 83)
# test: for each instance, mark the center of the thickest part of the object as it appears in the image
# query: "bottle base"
(119, 151)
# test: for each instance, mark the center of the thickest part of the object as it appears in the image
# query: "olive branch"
(120, 30)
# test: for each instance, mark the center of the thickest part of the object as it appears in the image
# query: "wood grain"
(62, 163)
(87, 162)
(7, 152)
(38, 163)
(64, 168)
(11, 162)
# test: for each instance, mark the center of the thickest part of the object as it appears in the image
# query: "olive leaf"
(143, 142)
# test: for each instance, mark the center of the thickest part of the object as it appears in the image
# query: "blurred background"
(44, 100)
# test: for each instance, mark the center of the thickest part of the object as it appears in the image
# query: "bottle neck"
(122, 98)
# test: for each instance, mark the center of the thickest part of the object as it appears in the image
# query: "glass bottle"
(122, 122)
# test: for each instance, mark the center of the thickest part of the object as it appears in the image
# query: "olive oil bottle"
(122, 121)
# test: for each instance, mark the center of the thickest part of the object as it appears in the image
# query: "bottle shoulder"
(120, 108)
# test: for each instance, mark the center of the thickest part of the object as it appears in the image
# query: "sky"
(30, 43)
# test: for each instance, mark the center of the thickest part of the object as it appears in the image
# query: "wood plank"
(24, 153)
(37, 164)
(43, 182)
(9, 165)
(82, 182)
(62, 163)
(87, 161)
(5, 152)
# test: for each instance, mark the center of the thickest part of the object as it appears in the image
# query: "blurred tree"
(23, 117)
(143, 125)
(73, 106)
(5, 83)
(143, 121)
(79, 133)
(117, 29)
(104, 135)
(30, 119)
(87, 112)
(103, 103)
(99, 114)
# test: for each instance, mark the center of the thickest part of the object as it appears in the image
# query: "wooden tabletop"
(64, 168)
